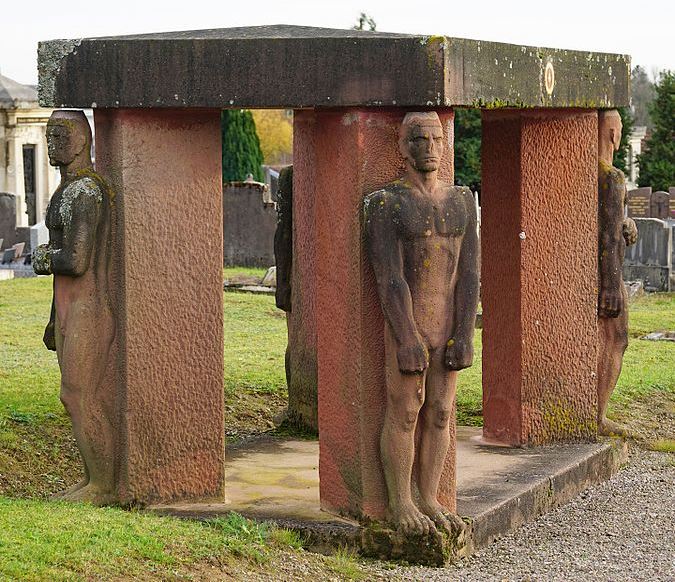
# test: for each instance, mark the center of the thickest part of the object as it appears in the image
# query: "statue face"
(64, 142)
(424, 147)
(610, 129)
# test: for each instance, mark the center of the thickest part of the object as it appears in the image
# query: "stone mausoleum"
(24, 168)
(157, 101)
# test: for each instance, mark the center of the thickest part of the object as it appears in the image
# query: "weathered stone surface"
(537, 167)
(165, 167)
(296, 67)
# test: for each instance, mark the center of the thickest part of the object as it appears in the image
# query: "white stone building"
(634, 150)
(24, 165)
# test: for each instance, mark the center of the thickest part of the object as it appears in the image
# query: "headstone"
(659, 206)
(39, 235)
(249, 223)
(650, 259)
(18, 249)
(8, 256)
(7, 218)
(639, 202)
(671, 213)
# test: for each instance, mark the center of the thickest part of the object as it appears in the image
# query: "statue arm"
(79, 234)
(283, 240)
(384, 250)
(611, 239)
(459, 351)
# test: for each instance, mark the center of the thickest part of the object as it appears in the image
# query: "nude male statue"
(615, 233)
(81, 327)
(422, 243)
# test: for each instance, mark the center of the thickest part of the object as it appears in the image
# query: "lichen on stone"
(50, 56)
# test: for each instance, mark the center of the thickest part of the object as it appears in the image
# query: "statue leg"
(405, 394)
(441, 385)
(613, 341)
(85, 350)
(71, 410)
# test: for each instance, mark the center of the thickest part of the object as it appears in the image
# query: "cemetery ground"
(46, 540)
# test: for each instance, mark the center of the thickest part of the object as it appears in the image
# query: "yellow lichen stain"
(427, 263)
(451, 342)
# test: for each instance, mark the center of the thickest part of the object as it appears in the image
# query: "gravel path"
(623, 529)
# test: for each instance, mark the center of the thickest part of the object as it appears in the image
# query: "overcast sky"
(641, 28)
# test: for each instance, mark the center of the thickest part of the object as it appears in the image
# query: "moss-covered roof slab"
(303, 67)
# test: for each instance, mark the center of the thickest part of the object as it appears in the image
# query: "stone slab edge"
(327, 71)
(547, 493)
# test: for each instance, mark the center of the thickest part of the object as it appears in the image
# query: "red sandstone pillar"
(539, 282)
(341, 156)
(165, 168)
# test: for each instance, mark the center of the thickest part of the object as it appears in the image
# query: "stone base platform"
(498, 490)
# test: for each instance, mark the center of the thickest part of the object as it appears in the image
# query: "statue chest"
(445, 216)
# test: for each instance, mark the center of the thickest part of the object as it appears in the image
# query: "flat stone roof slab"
(298, 67)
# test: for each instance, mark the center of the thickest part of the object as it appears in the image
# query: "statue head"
(68, 137)
(609, 128)
(421, 140)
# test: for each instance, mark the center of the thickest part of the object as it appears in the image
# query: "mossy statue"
(81, 328)
(422, 243)
(615, 233)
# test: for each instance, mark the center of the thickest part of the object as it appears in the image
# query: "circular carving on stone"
(549, 78)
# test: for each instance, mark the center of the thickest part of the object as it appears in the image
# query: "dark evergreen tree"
(467, 148)
(241, 147)
(657, 162)
(621, 156)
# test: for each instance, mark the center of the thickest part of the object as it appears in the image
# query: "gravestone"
(650, 259)
(659, 206)
(249, 222)
(39, 235)
(8, 218)
(639, 201)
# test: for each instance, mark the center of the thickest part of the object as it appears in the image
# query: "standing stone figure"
(283, 251)
(422, 243)
(615, 233)
(81, 327)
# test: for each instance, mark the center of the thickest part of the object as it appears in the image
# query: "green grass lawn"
(46, 541)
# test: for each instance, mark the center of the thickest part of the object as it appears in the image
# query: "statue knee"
(439, 415)
(403, 412)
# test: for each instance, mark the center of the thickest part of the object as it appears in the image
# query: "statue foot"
(90, 494)
(62, 494)
(444, 519)
(610, 428)
(408, 519)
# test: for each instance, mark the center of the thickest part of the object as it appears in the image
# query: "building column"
(539, 275)
(165, 169)
(340, 156)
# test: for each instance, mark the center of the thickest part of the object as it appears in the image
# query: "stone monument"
(81, 328)
(422, 243)
(614, 233)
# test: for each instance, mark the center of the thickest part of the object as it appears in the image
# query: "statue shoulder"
(610, 176)
(384, 199)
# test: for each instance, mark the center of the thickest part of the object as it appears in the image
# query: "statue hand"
(49, 338)
(458, 354)
(41, 260)
(610, 303)
(413, 357)
(630, 231)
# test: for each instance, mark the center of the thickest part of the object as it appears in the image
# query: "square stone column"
(165, 169)
(539, 275)
(340, 156)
